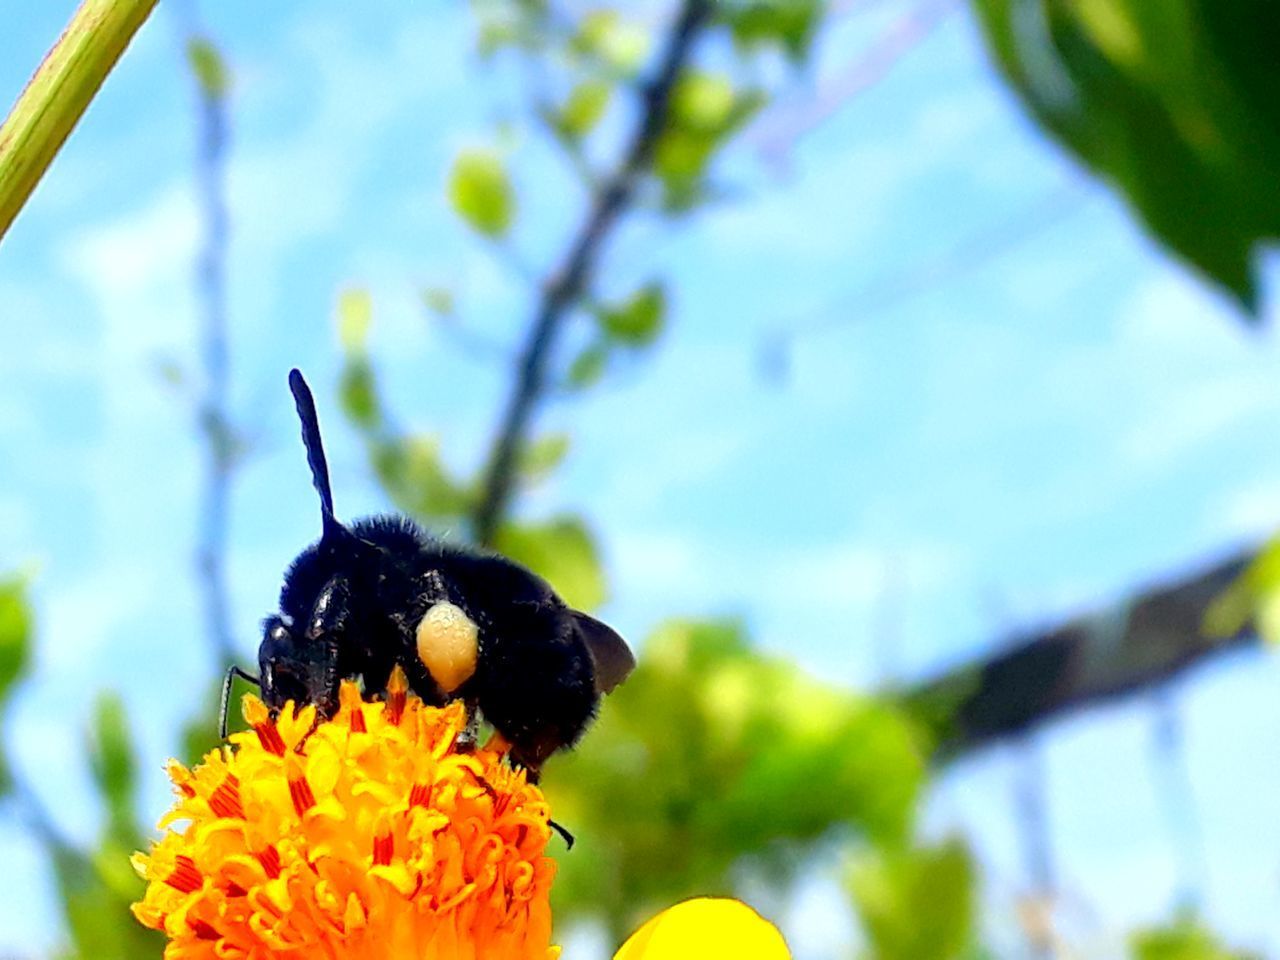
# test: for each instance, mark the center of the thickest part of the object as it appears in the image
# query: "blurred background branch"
(1139, 644)
(567, 285)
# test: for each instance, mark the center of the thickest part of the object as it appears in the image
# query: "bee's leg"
(232, 672)
(568, 837)
(470, 734)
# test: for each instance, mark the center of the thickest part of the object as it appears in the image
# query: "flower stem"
(59, 92)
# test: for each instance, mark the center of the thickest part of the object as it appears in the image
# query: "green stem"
(58, 94)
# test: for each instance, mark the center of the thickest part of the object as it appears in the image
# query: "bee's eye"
(448, 644)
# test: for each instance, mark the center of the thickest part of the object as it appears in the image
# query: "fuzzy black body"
(534, 679)
(352, 603)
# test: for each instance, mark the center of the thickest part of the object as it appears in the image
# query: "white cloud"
(122, 259)
(1252, 511)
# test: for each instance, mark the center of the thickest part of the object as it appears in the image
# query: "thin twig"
(568, 284)
(214, 419)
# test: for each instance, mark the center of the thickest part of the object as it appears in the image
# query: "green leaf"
(358, 394)
(790, 24)
(540, 458)
(112, 762)
(916, 904)
(622, 45)
(637, 321)
(703, 101)
(586, 105)
(15, 652)
(355, 317)
(1185, 939)
(415, 477)
(481, 193)
(15, 633)
(1253, 599)
(563, 552)
(588, 367)
(1171, 103)
(209, 68)
(706, 109)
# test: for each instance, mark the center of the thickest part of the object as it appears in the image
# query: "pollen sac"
(448, 644)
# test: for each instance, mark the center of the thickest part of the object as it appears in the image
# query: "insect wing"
(612, 658)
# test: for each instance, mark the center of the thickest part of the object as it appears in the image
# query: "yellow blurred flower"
(369, 835)
(706, 928)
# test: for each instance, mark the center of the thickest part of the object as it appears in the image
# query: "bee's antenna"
(306, 405)
(232, 672)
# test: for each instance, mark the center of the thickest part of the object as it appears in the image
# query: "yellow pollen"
(448, 645)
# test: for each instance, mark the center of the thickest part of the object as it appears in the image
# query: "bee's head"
(293, 668)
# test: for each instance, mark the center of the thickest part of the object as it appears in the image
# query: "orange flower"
(367, 836)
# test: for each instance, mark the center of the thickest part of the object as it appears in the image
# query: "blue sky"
(1030, 438)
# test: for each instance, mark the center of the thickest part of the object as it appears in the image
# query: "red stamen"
(420, 795)
(204, 930)
(269, 857)
(269, 737)
(383, 848)
(300, 793)
(357, 721)
(185, 877)
(234, 889)
(225, 800)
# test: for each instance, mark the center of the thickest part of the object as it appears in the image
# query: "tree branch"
(614, 196)
(1088, 661)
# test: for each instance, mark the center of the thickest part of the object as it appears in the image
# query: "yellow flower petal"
(705, 928)
(362, 836)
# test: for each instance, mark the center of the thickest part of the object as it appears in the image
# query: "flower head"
(368, 835)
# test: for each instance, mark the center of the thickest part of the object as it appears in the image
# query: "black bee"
(461, 623)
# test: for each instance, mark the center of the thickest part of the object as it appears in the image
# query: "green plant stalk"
(58, 94)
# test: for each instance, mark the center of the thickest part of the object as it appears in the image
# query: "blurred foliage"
(790, 24)
(1173, 102)
(916, 903)
(15, 654)
(209, 68)
(99, 885)
(706, 110)
(481, 193)
(1185, 939)
(1253, 600)
(711, 754)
